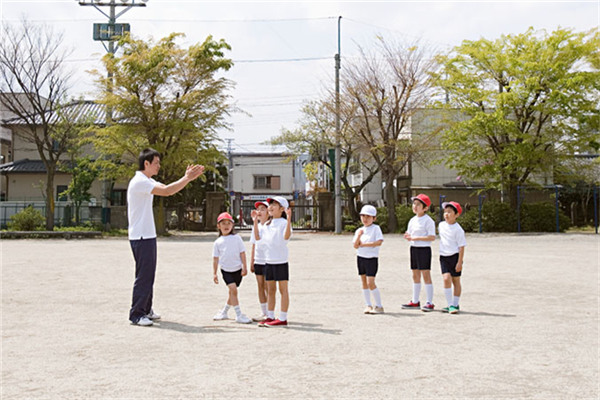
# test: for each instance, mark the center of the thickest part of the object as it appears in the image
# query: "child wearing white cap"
(367, 241)
(275, 237)
(257, 257)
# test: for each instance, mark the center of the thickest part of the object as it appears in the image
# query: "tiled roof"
(25, 166)
(80, 111)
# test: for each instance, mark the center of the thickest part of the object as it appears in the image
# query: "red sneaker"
(276, 323)
(427, 307)
(412, 306)
(264, 322)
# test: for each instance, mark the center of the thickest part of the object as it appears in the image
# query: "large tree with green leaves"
(522, 99)
(316, 134)
(163, 96)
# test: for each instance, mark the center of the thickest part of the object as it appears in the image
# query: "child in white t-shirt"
(275, 237)
(367, 241)
(230, 254)
(420, 234)
(452, 253)
(257, 257)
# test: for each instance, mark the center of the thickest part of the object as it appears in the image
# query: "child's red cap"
(261, 203)
(423, 198)
(223, 216)
(454, 205)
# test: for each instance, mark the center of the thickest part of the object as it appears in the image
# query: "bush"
(403, 215)
(541, 217)
(350, 228)
(498, 217)
(382, 219)
(29, 219)
(469, 220)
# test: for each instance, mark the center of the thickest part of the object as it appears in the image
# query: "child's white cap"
(281, 200)
(369, 210)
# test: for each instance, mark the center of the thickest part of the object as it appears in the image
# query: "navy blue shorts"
(367, 266)
(420, 258)
(448, 264)
(232, 277)
(259, 269)
(277, 272)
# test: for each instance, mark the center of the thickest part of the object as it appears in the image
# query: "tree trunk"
(159, 217)
(351, 202)
(390, 201)
(511, 190)
(50, 199)
(77, 218)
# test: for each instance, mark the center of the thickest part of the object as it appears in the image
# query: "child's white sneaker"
(259, 318)
(220, 316)
(368, 310)
(242, 319)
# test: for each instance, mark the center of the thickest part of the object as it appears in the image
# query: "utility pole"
(338, 161)
(108, 33)
(229, 172)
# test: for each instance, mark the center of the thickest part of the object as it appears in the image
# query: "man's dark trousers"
(144, 252)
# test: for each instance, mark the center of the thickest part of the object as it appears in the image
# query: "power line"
(181, 20)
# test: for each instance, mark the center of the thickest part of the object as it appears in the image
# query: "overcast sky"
(261, 32)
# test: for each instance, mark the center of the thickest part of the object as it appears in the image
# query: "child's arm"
(254, 216)
(244, 269)
(461, 255)
(359, 233)
(288, 229)
(252, 258)
(215, 266)
(429, 238)
(372, 244)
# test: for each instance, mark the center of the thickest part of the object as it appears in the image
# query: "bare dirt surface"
(528, 326)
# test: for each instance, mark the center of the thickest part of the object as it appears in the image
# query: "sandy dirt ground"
(528, 326)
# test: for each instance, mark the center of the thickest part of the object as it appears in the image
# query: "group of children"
(420, 233)
(271, 233)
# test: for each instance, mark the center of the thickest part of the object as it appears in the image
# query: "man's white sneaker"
(152, 315)
(144, 321)
(242, 319)
(220, 316)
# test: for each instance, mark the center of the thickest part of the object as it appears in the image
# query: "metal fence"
(304, 217)
(64, 212)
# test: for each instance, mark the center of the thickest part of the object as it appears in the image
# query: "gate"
(304, 217)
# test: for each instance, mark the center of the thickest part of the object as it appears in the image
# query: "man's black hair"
(147, 155)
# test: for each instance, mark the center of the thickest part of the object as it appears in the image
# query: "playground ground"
(528, 326)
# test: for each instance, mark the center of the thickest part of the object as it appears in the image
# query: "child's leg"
(233, 295)
(363, 279)
(262, 289)
(457, 289)
(416, 285)
(428, 285)
(448, 287)
(366, 291)
(271, 292)
(285, 296)
(374, 291)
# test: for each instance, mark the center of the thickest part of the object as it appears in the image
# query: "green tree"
(521, 99)
(83, 172)
(165, 97)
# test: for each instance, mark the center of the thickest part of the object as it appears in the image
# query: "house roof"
(79, 111)
(26, 166)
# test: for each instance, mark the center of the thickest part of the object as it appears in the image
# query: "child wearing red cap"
(230, 254)
(420, 234)
(452, 253)
(258, 258)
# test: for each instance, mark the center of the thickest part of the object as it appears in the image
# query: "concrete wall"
(245, 167)
(23, 186)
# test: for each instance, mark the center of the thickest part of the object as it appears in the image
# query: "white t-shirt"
(451, 238)
(421, 226)
(139, 207)
(372, 233)
(259, 247)
(276, 251)
(228, 249)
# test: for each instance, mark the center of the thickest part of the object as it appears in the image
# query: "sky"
(284, 51)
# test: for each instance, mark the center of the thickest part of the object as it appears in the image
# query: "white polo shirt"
(421, 226)
(276, 251)
(228, 249)
(259, 248)
(452, 237)
(139, 207)
(372, 233)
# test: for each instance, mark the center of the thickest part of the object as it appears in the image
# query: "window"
(267, 182)
(118, 197)
(59, 190)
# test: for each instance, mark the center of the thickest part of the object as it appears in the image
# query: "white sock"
(282, 316)
(226, 309)
(271, 314)
(456, 300)
(263, 308)
(429, 291)
(377, 297)
(416, 292)
(367, 294)
(238, 312)
(448, 294)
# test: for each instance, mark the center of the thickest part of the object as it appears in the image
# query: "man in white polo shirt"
(142, 231)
